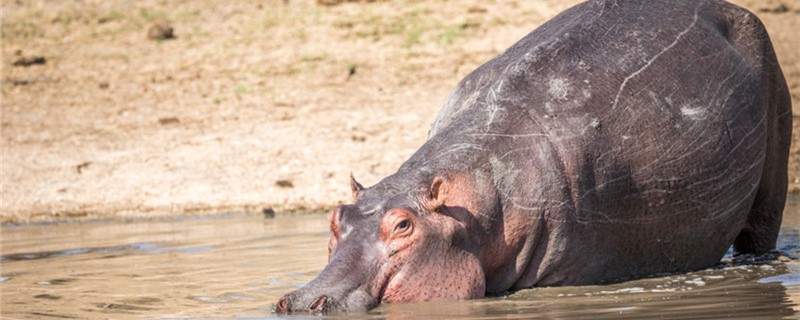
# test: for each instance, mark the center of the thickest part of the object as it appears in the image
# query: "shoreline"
(249, 106)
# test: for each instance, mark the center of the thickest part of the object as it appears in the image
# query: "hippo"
(621, 139)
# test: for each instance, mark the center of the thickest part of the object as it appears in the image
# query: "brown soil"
(250, 106)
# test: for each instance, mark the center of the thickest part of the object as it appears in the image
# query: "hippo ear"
(355, 187)
(438, 194)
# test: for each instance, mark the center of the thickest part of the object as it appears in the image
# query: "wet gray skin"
(343, 287)
(618, 140)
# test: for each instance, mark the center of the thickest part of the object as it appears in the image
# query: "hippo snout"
(315, 302)
(321, 304)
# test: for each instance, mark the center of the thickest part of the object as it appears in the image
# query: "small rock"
(329, 2)
(28, 61)
(470, 25)
(358, 138)
(268, 213)
(20, 82)
(168, 120)
(161, 30)
(284, 183)
(476, 9)
(103, 85)
(336, 2)
(351, 70)
(780, 8)
(83, 166)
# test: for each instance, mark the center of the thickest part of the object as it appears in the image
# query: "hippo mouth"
(323, 297)
(381, 296)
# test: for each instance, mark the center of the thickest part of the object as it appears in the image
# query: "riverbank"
(248, 107)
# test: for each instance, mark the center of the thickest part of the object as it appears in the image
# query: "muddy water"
(237, 266)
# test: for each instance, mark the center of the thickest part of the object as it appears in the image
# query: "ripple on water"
(790, 279)
(136, 248)
(70, 252)
(56, 282)
(225, 298)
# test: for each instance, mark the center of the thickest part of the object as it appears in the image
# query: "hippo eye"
(402, 226)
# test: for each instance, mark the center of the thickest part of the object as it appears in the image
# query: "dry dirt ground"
(247, 106)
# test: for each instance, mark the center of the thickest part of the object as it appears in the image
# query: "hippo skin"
(618, 140)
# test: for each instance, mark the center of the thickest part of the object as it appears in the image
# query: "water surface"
(237, 266)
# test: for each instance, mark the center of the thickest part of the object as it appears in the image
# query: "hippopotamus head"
(394, 244)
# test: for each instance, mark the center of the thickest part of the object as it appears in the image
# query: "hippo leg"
(763, 223)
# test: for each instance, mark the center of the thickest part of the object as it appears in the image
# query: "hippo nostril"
(318, 305)
(282, 305)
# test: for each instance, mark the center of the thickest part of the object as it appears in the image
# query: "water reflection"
(761, 301)
(237, 266)
(54, 254)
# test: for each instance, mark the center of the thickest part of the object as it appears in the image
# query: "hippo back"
(659, 126)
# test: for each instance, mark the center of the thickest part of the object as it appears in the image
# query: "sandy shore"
(250, 106)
